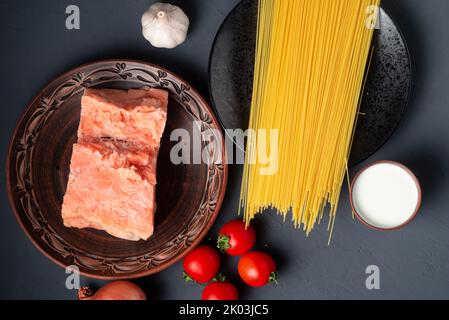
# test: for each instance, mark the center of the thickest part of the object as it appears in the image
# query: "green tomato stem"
(223, 243)
(274, 277)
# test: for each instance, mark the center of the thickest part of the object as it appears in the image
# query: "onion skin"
(86, 293)
(117, 290)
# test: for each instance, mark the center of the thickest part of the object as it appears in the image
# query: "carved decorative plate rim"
(20, 151)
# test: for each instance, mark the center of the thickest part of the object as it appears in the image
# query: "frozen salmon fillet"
(106, 193)
(112, 181)
(135, 116)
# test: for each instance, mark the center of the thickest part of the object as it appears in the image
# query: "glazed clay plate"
(188, 196)
(385, 98)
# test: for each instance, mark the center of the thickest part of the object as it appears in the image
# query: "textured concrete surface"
(413, 262)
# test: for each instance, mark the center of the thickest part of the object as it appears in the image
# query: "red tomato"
(235, 239)
(220, 291)
(202, 264)
(257, 269)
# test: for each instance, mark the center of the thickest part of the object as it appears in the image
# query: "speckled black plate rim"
(215, 110)
(410, 86)
(209, 67)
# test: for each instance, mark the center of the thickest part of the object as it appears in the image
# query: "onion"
(117, 290)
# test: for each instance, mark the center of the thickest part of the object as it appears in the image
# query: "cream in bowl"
(385, 195)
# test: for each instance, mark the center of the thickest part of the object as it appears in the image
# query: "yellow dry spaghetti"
(311, 57)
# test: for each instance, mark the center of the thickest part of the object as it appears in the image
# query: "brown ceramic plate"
(189, 197)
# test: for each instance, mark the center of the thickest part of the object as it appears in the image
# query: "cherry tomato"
(220, 291)
(202, 264)
(235, 239)
(257, 269)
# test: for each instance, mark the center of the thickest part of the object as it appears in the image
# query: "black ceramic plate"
(385, 98)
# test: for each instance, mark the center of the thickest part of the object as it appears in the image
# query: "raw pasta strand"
(309, 73)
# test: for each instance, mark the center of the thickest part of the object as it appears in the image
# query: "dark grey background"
(414, 262)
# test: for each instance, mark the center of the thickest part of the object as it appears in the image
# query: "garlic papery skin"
(165, 25)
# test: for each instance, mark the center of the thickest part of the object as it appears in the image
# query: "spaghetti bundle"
(310, 64)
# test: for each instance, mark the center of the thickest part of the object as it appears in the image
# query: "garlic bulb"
(165, 25)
